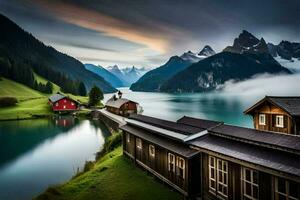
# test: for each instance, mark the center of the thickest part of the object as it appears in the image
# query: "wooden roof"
(271, 159)
(169, 125)
(177, 147)
(268, 139)
(200, 123)
(117, 103)
(290, 105)
(56, 97)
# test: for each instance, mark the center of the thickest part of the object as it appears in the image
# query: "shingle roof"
(177, 147)
(273, 159)
(169, 125)
(289, 104)
(200, 123)
(56, 97)
(117, 103)
(262, 138)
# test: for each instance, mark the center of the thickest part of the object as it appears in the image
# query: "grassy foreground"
(113, 177)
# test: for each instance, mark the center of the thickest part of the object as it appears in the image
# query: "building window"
(72, 103)
(171, 162)
(262, 119)
(286, 190)
(64, 107)
(212, 173)
(279, 121)
(181, 167)
(249, 184)
(151, 151)
(65, 101)
(218, 177)
(128, 137)
(56, 104)
(139, 143)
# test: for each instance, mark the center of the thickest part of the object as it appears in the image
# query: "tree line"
(23, 72)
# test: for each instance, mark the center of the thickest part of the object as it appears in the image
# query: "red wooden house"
(61, 103)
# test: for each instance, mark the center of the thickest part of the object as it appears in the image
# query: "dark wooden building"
(212, 160)
(279, 114)
(121, 106)
(62, 103)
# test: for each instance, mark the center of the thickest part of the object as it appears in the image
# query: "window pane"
(224, 167)
(281, 185)
(255, 177)
(212, 174)
(281, 197)
(255, 192)
(225, 179)
(248, 175)
(248, 189)
(212, 163)
(293, 189)
(219, 164)
(220, 176)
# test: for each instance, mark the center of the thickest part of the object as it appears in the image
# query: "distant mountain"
(127, 75)
(208, 74)
(19, 46)
(285, 49)
(247, 43)
(108, 76)
(153, 79)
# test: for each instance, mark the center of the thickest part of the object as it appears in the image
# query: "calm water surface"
(215, 106)
(39, 153)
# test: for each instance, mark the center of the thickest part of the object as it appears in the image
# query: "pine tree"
(49, 87)
(81, 89)
(95, 96)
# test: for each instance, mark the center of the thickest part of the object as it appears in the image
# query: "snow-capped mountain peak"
(206, 51)
(196, 57)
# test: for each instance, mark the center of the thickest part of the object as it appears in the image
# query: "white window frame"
(251, 182)
(128, 137)
(171, 160)
(278, 119)
(287, 188)
(181, 165)
(214, 166)
(139, 144)
(152, 151)
(262, 119)
(224, 176)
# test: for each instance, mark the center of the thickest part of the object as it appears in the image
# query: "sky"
(146, 33)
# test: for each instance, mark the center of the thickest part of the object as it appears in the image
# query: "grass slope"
(113, 177)
(20, 91)
(31, 103)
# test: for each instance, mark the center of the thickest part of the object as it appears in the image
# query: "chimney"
(120, 94)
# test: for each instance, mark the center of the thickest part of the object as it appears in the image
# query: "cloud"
(105, 24)
(266, 84)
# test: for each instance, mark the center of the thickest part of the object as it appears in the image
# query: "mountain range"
(154, 79)
(107, 75)
(23, 49)
(205, 71)
(127, 75)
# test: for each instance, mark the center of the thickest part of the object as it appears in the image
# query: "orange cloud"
(111, 26)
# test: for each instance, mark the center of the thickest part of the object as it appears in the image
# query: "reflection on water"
(38, 153)
(216, 106)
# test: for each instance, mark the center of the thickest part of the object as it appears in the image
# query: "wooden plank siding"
(270, 112)
(159, 166)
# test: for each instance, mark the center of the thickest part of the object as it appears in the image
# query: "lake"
(226, 107)
(39, 153)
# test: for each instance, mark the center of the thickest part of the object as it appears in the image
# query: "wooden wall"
(271, 111)
(190, 185)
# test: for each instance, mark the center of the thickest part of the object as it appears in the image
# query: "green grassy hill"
(31, 103)
(20, 91)
(113, 177)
